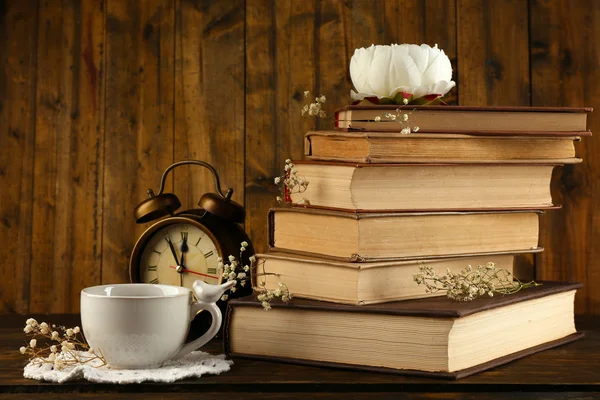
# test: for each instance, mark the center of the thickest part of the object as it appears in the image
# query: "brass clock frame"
(140, 245)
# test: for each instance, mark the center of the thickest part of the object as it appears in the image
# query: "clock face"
(179, 254)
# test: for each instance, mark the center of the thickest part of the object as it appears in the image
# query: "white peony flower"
(385, 71)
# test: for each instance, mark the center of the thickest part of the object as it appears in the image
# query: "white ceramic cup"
(143, 325)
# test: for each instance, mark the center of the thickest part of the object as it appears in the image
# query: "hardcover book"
(405, 187)
(392, 236)
(465, 119)
(359, 283)
(394, 147)
(434, 337)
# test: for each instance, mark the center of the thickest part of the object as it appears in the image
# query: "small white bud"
(23, 350)
(32, 343)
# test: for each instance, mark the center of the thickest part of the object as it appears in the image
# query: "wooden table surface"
(570, 371)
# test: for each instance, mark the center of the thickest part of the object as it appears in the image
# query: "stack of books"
(466, 189)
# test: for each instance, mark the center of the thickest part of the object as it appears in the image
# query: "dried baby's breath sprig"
(400, 116)
(265, 296)
(290, 183)
(46, 340)
(234, 271)
(315, 109)
(471, 283)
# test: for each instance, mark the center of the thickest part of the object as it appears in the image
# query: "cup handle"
(207, 295)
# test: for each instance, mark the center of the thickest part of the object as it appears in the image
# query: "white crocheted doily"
(194, 365)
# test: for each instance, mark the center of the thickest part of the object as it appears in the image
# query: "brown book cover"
(467, 119)
(350, 186)
(425, 148)
(359, 215)
(433, 307)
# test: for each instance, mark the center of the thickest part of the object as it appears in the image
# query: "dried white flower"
(69, 332)
(306, 93)
(32, 343)
(416, 129)
(405, 101)
(43, 325)
(31, 322)
(277, 180)
(405, 131)
(55, 335)
(378, 118)
(322, 99)
(23, 350)
(28, 329)
(53, 349)
(224, 297)
(244, 244)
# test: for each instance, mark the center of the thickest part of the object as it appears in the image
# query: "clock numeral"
(154, 281)
(184, 229)
(151, 267)
(210, 253)
(212, 271)
(184, 236)
(199, 239)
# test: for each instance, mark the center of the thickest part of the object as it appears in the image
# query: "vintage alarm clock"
(182, 247)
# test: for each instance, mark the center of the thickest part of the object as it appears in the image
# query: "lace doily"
(193, 365)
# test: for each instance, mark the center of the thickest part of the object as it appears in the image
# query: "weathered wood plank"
(565, 64)
(493, 67)
(139, 119)
(18, 54)
(209, 100)
(67, 220)
(280, 66)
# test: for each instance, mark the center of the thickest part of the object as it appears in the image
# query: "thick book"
(434, 337)
(403, 187)
(465, 119)
(360, 283)
(396, 236)
(394, 147)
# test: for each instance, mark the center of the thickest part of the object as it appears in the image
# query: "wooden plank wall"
(97, 97)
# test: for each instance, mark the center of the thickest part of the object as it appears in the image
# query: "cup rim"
(181, 291)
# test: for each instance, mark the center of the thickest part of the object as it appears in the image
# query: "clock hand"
(168, 239)
(195, 273)
(183, 248)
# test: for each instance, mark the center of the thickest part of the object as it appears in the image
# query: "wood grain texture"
(564, 70)
(280, 66)
(18, 55)
(98, 97)
(209, 98)
(569, 370)
(139, 120)
(492, 41)
(67, 216)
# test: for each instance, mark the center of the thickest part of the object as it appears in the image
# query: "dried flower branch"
(70, 346)
(315, 109)
(401, 117)
(234, 271)
(470, 283)
(290, 183)
(265, 295)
